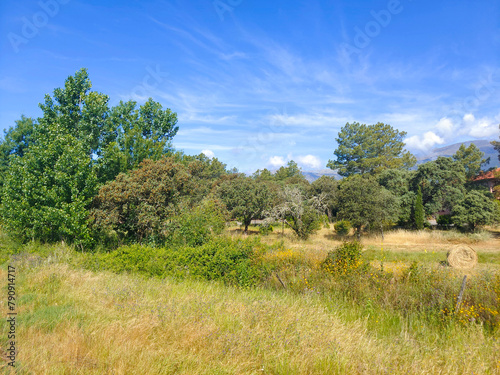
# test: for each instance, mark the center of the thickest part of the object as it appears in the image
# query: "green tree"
(300, 214)
(133, 135)
(419, 211)
(137, 205)
(397, 181)
(370, 149)
(58, 178)
(17, 139)
(471, 158)
(364, 203)
(327, 186)
(205, 173)
(263, 175)
(15, 143)
(442, 182)
(290, 175)
(47, 191)
(475, 210)
(245, 198)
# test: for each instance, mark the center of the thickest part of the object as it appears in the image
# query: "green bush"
(234, 262)
(265, 229)
(342, 227)
(197, 226)
(444, 220)
(344, 259)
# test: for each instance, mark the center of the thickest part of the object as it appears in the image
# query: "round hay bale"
(462, 257)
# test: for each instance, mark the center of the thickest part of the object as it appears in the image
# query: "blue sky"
(257, 83)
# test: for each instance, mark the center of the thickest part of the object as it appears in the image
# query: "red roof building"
(489, 179)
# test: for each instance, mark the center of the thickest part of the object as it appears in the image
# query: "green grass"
(362, 321)
(374, 254)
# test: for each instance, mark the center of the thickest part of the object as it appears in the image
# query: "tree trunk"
(329, 213)
(382, 230)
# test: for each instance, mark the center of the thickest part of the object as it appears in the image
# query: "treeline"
(89, 174)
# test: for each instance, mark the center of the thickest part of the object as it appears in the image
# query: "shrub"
(344, 259)
(235, 262)
(342, 227)
(197, 226)
(265, 229)
(444, 220)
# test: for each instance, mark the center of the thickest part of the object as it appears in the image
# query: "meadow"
(390, 310)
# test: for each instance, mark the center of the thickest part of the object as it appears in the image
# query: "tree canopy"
(370, 149)
(442, 182)
(52, 166)
(363, 202)
(298, 212)
(471, 158)
(475, 210)
(245, 198)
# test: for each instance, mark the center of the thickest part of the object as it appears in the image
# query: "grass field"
(75, 321)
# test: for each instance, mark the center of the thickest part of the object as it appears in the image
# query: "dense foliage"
(370, 149)
(88, 173)
(245, 198)
(52, 166)
(234, 262)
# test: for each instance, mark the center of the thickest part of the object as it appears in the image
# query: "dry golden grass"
(325, 239)
(79, 322)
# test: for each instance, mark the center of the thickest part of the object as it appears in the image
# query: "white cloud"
(445, 126)
(208, 153)
(479, 128)
(469, 117)
(424, 142)
(310, 161)
(276, 161)
(309, 120)
(483, 129)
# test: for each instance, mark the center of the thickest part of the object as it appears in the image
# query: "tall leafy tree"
(363, 202)
(47, 191)
(442, 182)
(475, 210)
(370, 149)
(132, 135)
(15, 143)
(245, 198)
(471, 158)
(55, 162)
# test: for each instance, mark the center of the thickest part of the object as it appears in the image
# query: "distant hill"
(484, 145)
(315, 174)
(447, 151)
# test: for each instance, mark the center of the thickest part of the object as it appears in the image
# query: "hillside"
(484, 145)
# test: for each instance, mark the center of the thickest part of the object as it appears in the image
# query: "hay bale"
(462, 257)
